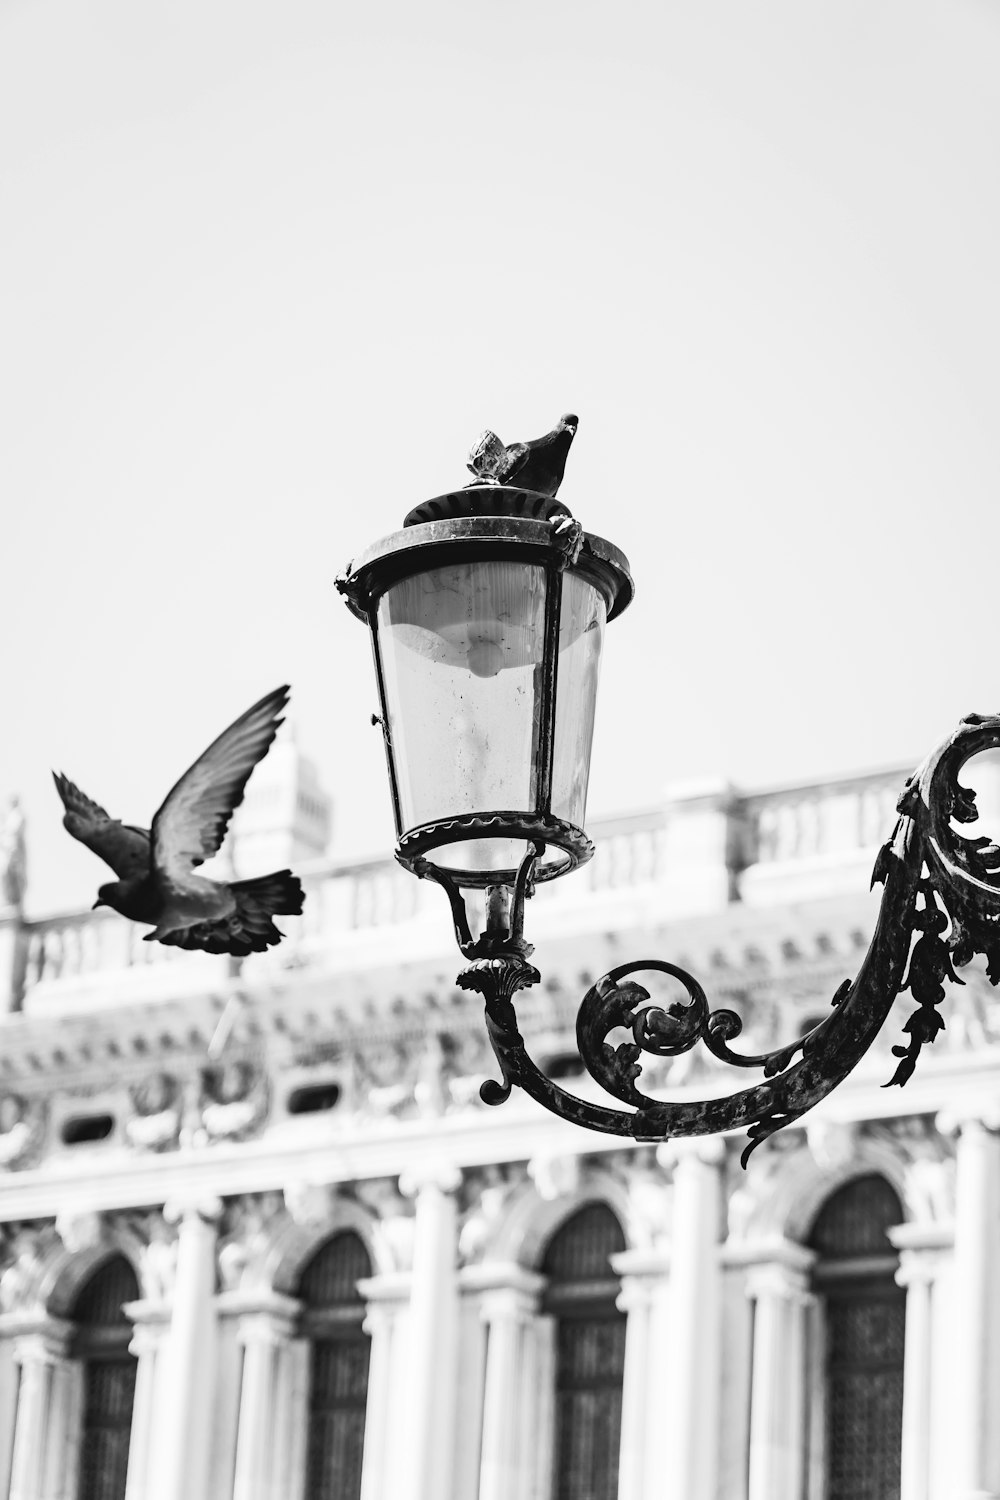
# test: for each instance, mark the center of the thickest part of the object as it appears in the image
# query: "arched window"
(338, 1384)
(100, 1342)
(864, 1313)
(590, 1354)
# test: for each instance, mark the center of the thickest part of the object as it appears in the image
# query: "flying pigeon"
(156, 880)
(538, 465)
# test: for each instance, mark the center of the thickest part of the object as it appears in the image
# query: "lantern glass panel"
(461, 649)
(582, 619)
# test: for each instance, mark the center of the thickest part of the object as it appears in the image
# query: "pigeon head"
(107, 895)
(570, 420)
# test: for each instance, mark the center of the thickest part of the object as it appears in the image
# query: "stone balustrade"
(821, 819)
(703, 847)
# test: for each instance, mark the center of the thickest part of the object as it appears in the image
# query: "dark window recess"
(564, 1065)
(101, 1342)
(590, 1354)
(337, 1399)
(582, 1248)
(87, 1128)
(856, 1219)
(864, 1313)
(313, 1098)
(339, 1354)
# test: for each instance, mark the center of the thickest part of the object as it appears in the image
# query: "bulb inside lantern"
(486, 657)
(486, 618)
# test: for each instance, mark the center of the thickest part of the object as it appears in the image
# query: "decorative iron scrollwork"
(940, 887)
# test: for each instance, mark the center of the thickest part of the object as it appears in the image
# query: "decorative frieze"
(22, 1130)
(80, 1232)
(234, 1100)
(484, 1201)
(248, 1228)
(25, 1252)
(156, 1119)
(555, 1176)
(926, 1156)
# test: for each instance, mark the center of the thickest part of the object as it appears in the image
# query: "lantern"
(487, 615)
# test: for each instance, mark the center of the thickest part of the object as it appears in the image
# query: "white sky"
(267, 270)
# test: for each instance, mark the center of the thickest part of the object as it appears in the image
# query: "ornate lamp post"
(487, 615)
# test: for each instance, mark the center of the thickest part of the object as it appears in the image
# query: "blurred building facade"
(320, 1267)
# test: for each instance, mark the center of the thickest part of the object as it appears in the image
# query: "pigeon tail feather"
(250, 929)
(280, 894)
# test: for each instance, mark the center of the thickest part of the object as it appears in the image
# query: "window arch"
(100, 1341)
(590, 1353)
(864, 1316)
(332, 1314)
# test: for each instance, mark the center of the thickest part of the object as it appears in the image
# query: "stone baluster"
(180, 1459)
(687, 1353)
(385, 1297)
(920, 1247)
(508, 1305)
(644, 1276)
(778, 1283)
(266, 1325)
(973, 1458)
(426, 1430)
(150, 1321)
(40, 1351)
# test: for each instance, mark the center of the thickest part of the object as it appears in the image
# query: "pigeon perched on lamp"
(538, 465)
(156, 868)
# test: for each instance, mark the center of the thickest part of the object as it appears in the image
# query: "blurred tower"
(286, 815)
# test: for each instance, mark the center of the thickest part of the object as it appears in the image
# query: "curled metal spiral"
(939, 886)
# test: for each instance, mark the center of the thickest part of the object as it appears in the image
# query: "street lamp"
(487, 614)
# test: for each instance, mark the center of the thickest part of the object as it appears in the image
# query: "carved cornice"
(412, 1053)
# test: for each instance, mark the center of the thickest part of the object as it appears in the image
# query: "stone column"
(183, 1429)
(62, 1439)
(508, 1304)
(266, 1324)
(684, 1440)
(919, 1247)
(426, 1430)
(643, 1276)
(150, 1321)
(777, 1281)
(973, 1448)
(40, 1350)
(385, 1296)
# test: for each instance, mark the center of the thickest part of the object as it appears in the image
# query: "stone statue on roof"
(13, 855)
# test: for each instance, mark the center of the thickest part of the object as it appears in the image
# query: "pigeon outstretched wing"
(124, 848)
(192, 822)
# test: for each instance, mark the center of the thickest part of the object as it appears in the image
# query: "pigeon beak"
(98, 903)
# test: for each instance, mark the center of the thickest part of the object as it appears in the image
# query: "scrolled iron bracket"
(939, 887)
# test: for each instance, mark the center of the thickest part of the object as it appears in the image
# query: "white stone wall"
(457, 1336)
(218, 1190)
